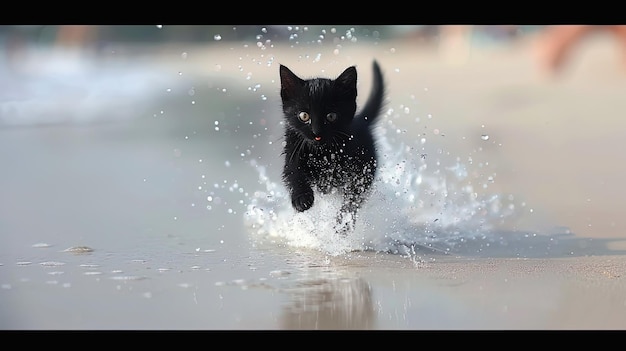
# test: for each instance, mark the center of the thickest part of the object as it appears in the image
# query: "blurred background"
(133, 146)
(99, 35)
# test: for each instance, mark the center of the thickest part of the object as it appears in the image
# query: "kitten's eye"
(331, 117)
(304, 116)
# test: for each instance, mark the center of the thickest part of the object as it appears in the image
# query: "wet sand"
(130, 190)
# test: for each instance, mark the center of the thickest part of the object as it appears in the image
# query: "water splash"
(417, 202)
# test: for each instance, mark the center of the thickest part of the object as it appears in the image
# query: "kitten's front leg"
(302, 199)
(299, 189)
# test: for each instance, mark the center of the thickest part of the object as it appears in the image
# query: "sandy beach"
(126, 184)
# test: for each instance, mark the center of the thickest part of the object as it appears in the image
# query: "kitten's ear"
(345, 84)
(348, 78)
(289, 82)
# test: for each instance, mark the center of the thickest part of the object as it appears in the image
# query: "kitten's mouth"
(317, 138)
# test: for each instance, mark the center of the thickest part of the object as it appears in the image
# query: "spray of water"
(418, 202)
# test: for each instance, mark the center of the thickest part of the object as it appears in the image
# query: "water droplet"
(89, 265)
(484, 137)
(127, 277)
(92, 273)
(159, 26)
(51, 264)
(78, 249)
(279, 273)
(217, 37)
(41, 245)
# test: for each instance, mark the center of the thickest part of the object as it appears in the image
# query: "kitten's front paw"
(303, 201)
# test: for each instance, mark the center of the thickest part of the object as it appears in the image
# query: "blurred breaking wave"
(47, 86)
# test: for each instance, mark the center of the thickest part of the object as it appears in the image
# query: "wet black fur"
(344, 158)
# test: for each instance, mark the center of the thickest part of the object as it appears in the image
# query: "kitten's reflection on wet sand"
(335, 303)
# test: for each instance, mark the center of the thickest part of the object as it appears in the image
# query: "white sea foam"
(418, 202)
(56, 86)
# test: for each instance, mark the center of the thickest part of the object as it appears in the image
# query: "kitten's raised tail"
(374, 104)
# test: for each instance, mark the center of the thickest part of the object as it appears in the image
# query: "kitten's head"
(319, 109)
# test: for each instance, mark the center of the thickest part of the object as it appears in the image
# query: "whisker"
(341, 132)
(337, 143)
(296, 149)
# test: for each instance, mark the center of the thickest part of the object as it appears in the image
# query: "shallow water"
(170, 178)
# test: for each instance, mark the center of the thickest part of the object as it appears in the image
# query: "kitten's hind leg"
(345, 223)
(346, 218)
(354, 197)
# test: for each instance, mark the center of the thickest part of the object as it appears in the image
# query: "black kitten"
(328, 147)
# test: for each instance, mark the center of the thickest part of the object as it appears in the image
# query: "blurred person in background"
(456, 41)
(75, 36)
(557, 42)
